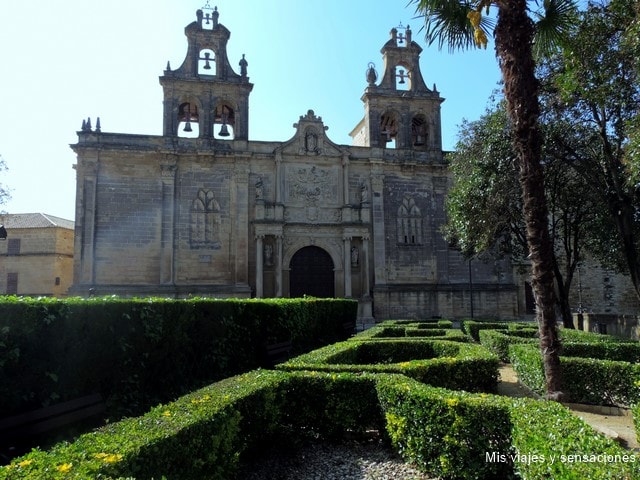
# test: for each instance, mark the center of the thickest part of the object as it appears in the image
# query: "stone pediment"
(310, 139)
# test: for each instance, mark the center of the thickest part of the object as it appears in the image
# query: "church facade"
(203, 210)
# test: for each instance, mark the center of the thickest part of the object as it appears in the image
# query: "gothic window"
(205, 221)
(409, 222)
(188, 120)
(224, 122)
(419, 131)
(206, 62)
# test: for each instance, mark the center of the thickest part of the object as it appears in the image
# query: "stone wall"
(44, 264)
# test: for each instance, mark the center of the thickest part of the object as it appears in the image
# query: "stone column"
(345, 179)
(278, 182)
(168, 171)
(378, 227)
(365, 266)
(239, 210)
(347, 266)
(84, 268)
(259, 267)
(279, 249)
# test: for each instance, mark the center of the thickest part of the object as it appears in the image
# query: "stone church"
(203, 210)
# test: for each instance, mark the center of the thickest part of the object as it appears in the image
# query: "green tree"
(514, 34)
(592, 88)
(4, 191)
(484, 207)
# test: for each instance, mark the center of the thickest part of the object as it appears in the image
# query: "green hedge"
(391, 332)
(139, 352)
(585, 380)
(554, 443)
(571, 335)
(209, 432)
(635, 411)
(445, 432)
(498, 341)
(455, 365)
(423, 324)
(625, 352)
(473, 327)
(452, 434)
(575, 343)
(201, 435)
(457, 435)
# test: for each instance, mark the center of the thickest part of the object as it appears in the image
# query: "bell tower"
(205, 98)
(400, 111)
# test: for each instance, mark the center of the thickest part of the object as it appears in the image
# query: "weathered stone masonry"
(202, 210)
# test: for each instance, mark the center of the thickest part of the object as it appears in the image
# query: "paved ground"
(619, 427)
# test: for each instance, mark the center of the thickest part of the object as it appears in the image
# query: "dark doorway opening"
(311, 273)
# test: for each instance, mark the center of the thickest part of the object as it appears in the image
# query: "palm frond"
(553, 25)
(446, 22)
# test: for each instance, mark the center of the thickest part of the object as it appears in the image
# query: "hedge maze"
(428, 387)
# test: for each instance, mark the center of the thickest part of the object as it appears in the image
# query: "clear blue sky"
(65, 61)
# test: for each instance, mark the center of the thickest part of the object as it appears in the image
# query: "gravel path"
(348, 460)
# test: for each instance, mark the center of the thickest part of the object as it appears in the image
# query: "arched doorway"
(311, 273)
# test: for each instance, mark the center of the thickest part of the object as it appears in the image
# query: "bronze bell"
(187, 127)
(224, 131)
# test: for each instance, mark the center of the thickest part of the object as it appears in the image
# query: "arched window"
(188, 120)
(389, 129)
(224, 122)
(205, 220)
(419, 133)
(403, 78)
(409, 222)
(206, 62)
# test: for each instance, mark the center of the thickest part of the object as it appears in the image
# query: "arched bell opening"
(403, 78)
(206, 62)
(419, 133)
(224, 122)
(389, 130)
(188, 120)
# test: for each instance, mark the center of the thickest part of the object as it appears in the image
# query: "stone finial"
(89, 124)
(98, 129)
(168, 69)
(84, 125)
(407, 34)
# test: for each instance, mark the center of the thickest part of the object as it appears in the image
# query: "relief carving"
(311, 185)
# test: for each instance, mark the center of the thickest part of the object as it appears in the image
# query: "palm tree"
(460, 24)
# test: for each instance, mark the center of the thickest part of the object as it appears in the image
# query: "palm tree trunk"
(514, 34)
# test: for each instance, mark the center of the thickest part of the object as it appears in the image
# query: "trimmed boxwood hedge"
(445, 432)
(473, 327)
(498, 341)
(455, 435)
(586, 380)
(455, 365)
(395, 332)
(139, 352)
(582, 344)
(423, 324)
